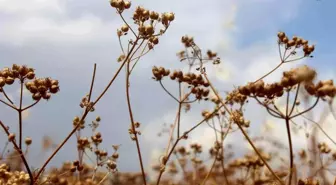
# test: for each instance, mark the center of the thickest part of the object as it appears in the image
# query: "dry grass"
(296, 85)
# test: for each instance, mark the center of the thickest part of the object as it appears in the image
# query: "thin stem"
(209, 172)
(269, 72)
(318, 125)
(104, 178)
(122, 17)
(291, 156)
(30, 105)
(179, 112)
(87, 110)
(12, 106)
(269, 109)
(3, 91)
(116, 74)
(20, 114)
(21, 154)
(298, 114)
(243, 131)
(168, 91)
(294, 102)
(133, 122)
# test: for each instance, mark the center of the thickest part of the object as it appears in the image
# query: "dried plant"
(185, 164)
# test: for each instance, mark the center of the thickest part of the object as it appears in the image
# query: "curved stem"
(87, 110)
(133, 122)
(243, 131)
(291, 156)
(20, 115)
(170, 94)
(294, 102)
(3, 91)
(21, 154)
(12, 106)
(298, 114)
(269, 72)
(30, 105)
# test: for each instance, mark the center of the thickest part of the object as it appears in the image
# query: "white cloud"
(19, 7)
(84, 29)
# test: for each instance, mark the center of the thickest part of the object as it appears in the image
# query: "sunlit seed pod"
(80, 168)
(115, 155)
(294, 38)
(98, 119)
(75, 163)
(170, 16)
(9, 80)
(113, 3)
(304, 42)
(11, 137)
(281, 35)
(15, 67)
(30, 75)
(166, 72)
(28, 140)
(33, 89)
(149, 29)
(155, 40)
(127, 4)
(16, 74)
(111, 164)
(46, 96)
(54, 89)
(2, 81)
(125, 28)
(137, 124)
(36, 96)
(23, 70)
(73, 169)
(154, 15)
(285, 40)
(42, 89)
(311, 48)
(290, 43)
(98, 135)
(54, 82)
(142, 29)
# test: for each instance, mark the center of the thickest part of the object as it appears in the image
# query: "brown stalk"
(243, 131)
(133, 122)
(21, 154)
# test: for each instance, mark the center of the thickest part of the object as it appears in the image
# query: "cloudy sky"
(64, 38)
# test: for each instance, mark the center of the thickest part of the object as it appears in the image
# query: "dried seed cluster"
(250, 161)
(42, 88)
(13, 177)
(238, 118)
(296, 42)
(291, 78)
(8, 75)
(199, 87)
(324, 148)
(261, 89)
(235, 97)
(134, 132)
(38, 87)
(322, 89)
(298, 75)
(308, 182)
(146, 22)
(120, 5)
(188, 41)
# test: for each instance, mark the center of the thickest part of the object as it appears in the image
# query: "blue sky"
(63, 39)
